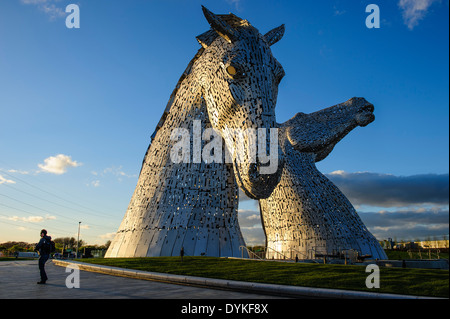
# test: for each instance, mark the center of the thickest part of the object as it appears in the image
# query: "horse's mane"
(205, 39)
(186, 72)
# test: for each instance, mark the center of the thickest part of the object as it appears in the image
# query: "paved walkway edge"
(271, 289)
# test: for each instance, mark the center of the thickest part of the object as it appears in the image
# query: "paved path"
(18, 281)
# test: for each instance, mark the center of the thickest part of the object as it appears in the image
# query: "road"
(18, 281)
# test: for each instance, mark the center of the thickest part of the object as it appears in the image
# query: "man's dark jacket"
(42, 246)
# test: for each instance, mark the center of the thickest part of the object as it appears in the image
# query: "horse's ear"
(205, 39)
(274, 35)
(218, 25)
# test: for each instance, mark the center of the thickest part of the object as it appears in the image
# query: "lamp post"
(78, 239)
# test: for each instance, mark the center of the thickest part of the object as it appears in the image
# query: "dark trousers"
(42, 260)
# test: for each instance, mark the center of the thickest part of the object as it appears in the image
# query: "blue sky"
(78, 106)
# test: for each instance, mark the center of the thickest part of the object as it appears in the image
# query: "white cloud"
(30, 219)
(254, 217)
(338, 172)
(254, 236)
(251, 226)
(407, 224)
(338, 12)
(116, 171)
(34, 1)
(95, 183)
(387, 190)
(109, 236)
(48, 7)
(414, 10)
(235, 3)
(58, 164)
(3, 180)
(18, 172)
(256, 226)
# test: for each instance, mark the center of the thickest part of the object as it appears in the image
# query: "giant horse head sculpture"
(239, 78)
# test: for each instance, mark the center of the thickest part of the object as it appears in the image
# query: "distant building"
(435, 244)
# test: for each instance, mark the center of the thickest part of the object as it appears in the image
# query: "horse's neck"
(318, 132)
(180, 91)
(185, 106)
(188, 106)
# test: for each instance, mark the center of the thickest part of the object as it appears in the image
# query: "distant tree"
(68, 242)
(17, 247)
(82, 243)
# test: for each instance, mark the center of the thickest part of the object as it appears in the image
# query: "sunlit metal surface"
(231, 83)
(307, 216)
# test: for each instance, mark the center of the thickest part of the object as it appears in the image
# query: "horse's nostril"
(253, 170)
(369, 108)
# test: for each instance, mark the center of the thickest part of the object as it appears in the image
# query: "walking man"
(44, 249)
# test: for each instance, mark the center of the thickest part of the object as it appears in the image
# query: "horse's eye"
(231, 70)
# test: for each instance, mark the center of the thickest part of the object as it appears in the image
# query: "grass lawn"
(423, 282)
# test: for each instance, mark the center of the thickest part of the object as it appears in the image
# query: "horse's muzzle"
(254, 182)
